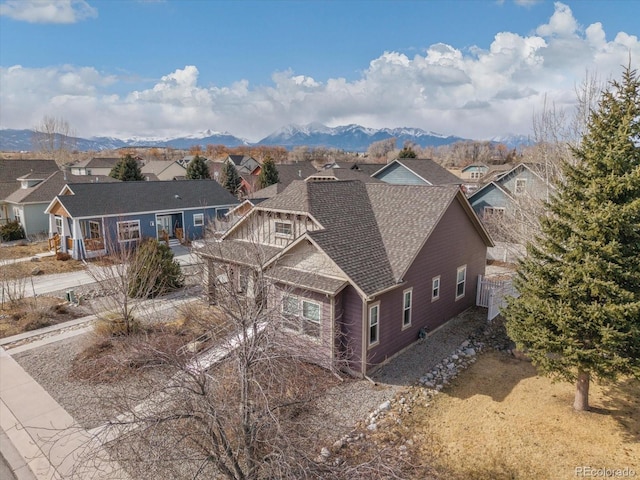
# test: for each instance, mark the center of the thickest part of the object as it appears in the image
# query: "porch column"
(64, 234)
(78, 241)
(52, 225)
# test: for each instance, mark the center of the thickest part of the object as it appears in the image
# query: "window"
(311, 318)
(90, 229)
(493, 212)
(461, 278)
(521, 184)
(374, 320)
(406, 307)
(198, 219)
(283, 229)
(128, 231)
(475, 175)
(16, 214)
(305, 320)
(58, 224)
(435, 288)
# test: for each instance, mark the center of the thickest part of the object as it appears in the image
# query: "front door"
(163, 223)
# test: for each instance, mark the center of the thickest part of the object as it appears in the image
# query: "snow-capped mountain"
(22, 140)
(353, 138)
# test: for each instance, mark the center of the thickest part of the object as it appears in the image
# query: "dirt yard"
(499, 420)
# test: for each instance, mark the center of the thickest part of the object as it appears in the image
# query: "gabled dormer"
(31, 180)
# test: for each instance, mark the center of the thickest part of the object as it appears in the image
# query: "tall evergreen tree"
(197, 169)
(231, 178)
(578, 313)
(127, 169)
(268, 174)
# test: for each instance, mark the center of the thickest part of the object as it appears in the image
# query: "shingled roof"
(367, 229)
(11, 170)
(426, 169)
(51, 186)
(99, 199)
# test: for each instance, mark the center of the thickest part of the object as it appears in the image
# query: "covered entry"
(169, 226)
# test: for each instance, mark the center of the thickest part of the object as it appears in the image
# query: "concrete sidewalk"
(39, 439)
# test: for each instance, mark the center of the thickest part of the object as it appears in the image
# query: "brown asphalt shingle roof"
(368, 231)
(371, 231)
(11, 170)
(47, 190)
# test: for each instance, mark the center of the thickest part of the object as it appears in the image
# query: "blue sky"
(148, 68)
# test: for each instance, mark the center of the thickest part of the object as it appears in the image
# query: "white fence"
(492, 294)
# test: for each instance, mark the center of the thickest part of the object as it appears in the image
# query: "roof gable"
(423, 169)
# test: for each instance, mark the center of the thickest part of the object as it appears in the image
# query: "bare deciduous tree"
(54, 138)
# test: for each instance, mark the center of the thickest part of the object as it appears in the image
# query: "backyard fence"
(492, 294)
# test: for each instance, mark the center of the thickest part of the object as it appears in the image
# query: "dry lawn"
(499, 420)
(46, 265)
(30, 314)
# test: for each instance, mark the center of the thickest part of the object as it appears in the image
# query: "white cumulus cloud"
(48, 11)
(475, 93)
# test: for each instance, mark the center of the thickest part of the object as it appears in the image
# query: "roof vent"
(177, 197)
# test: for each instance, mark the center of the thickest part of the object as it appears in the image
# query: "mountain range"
(353, 138)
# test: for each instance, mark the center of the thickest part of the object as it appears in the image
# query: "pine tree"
(197, 169)
(407, 152)
(578, 314)
(127, 169)
(268, 174)
(156, 270)
(231, 178)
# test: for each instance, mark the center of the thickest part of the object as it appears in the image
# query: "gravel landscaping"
(346, 404)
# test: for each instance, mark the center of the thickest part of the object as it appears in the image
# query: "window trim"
(59, 223)
(376, 307)
(406, 309)
(435, 289)
(198, 219)
(298, 317)
(135, 223)
(283, 234)
(462, 269)
(311, 302)
(520, 187)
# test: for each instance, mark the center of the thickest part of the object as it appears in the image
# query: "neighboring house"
(498, 196)
(97, 166)
(20, 174)
(32, 198)
(163, 170)
(94, 219)
(415, 171)
(245, 164)
(474, 172)
(360, 270)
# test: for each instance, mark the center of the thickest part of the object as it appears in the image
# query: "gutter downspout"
(363, 355)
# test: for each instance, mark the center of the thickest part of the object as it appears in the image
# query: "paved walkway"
(39, 440)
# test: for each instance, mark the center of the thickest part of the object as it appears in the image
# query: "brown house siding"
(454, 233)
